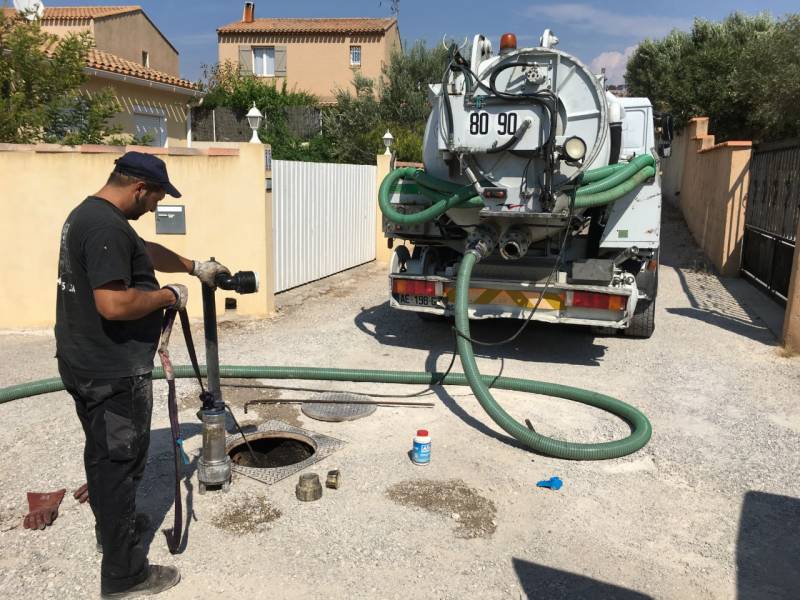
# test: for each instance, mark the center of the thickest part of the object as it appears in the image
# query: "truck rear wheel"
(643, 322)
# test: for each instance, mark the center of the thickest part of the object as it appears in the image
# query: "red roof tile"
(105, 61)
(358, 25)
(79, 13)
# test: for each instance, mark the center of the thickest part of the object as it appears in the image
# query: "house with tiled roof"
(133, 58)
(313, 55)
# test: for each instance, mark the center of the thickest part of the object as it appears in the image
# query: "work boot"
(159, 579)
(141, 524)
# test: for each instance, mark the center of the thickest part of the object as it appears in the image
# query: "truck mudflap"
(590, 305)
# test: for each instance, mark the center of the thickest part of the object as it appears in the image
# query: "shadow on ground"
(157, 489)
(713, 299)
(540, 342)
(539, 582)
(768, 548)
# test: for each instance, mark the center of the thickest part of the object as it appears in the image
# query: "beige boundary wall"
(227, 215)
(713, 195)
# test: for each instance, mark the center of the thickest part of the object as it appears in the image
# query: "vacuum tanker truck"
(546, 179)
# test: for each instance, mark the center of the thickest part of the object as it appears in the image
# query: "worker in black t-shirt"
(108, 317)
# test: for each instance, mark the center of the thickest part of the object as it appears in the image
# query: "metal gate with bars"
(323, 219)
(771, 218)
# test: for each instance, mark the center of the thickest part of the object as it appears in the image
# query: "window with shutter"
(280, 61)
(264, 61)
(245, 59)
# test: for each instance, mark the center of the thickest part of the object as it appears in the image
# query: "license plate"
(415, 300)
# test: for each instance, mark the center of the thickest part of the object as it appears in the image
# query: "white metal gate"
(323, 219)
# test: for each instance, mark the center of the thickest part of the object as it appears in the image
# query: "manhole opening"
(272, 451)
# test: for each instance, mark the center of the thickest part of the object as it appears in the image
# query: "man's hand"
(82, 493)
(117, 302)
(206, 271)
(181, 295)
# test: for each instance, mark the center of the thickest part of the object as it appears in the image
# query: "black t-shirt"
(99, 246)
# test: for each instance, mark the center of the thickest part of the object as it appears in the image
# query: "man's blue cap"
(147, 167)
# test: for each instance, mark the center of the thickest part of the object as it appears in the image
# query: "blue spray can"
(421, 450)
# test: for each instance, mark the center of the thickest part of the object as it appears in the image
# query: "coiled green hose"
(641, 429)
(601, 172)
(553, 448)
(445, 200)
(615, 193)
(617, 177)
(598, 187)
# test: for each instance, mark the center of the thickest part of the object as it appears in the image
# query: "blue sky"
(599, 33)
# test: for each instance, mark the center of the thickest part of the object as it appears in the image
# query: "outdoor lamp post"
(254, 118)
(388, 140)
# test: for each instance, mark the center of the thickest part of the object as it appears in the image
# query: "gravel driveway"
(710, 508)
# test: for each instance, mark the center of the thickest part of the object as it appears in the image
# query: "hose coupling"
(482, 241)
(514, 242)
(243, 282)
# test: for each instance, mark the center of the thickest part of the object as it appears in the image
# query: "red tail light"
(413, 287)
(596, 300)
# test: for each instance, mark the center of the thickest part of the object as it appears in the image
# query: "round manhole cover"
(338, 406)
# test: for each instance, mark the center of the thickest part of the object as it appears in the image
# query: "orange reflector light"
(597, 301)
(618, 303)
(413, 287)
(508, 42)
(499, 193)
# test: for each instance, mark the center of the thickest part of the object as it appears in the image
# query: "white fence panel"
(323, 219)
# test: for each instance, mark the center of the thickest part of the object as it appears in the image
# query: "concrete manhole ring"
(320, 446)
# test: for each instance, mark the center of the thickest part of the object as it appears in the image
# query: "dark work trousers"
(115, 415)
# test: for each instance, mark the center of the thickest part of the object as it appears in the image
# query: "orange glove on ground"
(43, 509)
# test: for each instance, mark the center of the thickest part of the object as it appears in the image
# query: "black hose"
(514, 139)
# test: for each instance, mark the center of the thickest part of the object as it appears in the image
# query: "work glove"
(206, 271)
(42, 509)
(181, 295)
(82, 493)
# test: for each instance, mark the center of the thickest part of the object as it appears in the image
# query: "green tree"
(770, 71)
(357, 123)
(741, 73)
(351, 123)
(40, 80)
(227, 86)
(352, 129)
(404, 84)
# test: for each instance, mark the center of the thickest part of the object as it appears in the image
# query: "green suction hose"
(601, 172)
(618, 176)
(641, 429)
(637, 420)
(446, 195)
(610, 195)
(598, 186)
